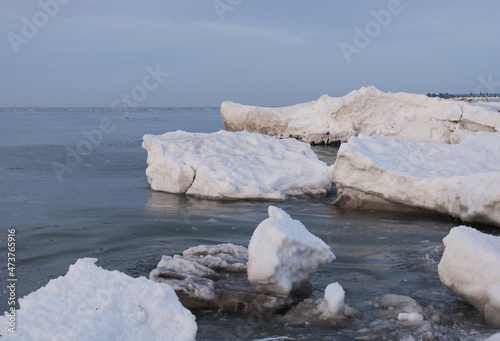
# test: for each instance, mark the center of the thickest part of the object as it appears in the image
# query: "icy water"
(103, 208)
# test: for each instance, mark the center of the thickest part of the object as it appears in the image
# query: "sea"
(73, 185)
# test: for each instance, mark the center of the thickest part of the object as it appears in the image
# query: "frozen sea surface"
(104, 209)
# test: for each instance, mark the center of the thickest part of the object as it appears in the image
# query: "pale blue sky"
(263, 52)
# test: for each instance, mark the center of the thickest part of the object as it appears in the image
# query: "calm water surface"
(103, 208)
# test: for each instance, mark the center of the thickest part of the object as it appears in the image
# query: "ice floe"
(226, 165)
(283, 253)
(214, 276)
(375, 172)
(368, 111)
(470, 267)
(90, 303)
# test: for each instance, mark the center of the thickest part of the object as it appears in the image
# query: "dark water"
(103, 208)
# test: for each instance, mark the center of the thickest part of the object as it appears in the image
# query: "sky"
(162, 53)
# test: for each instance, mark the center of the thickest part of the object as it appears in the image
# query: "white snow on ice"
(457, 179)
(282, 253)
(90, 303)
(368, 111)
(470, 267)
(226, 165)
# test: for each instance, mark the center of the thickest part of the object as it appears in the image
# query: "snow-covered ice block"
(194, 274)
(227, 257)
(214, 276)
(90, 303)
(470, 267)
(282, 253)
(226, 165)
(367, 111)
(461, 179)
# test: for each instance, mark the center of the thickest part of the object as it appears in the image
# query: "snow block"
(456, 179)
(368, 111)
(215, 276)
(470, 267)
(227, 165)
(282, 254)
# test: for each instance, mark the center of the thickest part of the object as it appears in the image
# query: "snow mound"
(368, 111)
(328, 311)
(470, 267)
(283, 253)
(90, 303)
(227, 165)
(461, 179)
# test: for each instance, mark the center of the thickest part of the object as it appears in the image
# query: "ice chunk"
(227, 257)
(460, 179)
(397, 304)
(227, 165)
(334, 296)
(283, 253)
(328, 311)
(193, 266)
(411, 318)
(367, 111)
(214, 276)
(470, 267)
(90, 303)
